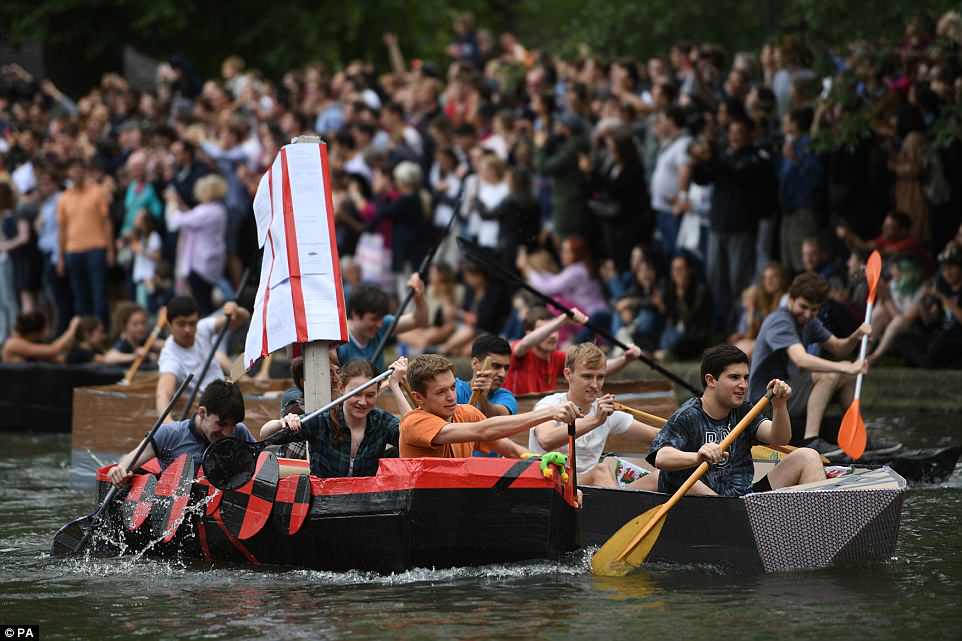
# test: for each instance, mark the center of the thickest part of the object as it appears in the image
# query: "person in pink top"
(577, 283)
(201, 248)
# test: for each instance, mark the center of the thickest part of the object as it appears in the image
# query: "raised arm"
(615, 365)
(538, 335)
(419, 317)
(492, 429)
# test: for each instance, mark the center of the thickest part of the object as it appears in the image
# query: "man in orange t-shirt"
(443, 429)
(86, 242)
(536, 361)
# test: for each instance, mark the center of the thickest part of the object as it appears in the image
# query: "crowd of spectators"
(671, 199)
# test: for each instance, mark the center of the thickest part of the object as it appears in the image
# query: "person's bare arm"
(418, 318)
(492, 429)
(804, 360)
(641, 433)
(553, 435)
(22, 237)
(121, 473)
(842, 347)
(615, 365)
(537, 336)
(778, 430)
(166, 384)
(507, 447)
(237, 314)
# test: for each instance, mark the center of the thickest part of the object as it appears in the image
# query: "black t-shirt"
(124, 346)
(80, 355)
(689, 428)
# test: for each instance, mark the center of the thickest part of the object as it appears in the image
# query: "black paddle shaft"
(213, 350)
(477, 255)
(422, 271)
(67, 540)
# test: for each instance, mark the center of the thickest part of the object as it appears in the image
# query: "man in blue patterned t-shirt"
(693, 433)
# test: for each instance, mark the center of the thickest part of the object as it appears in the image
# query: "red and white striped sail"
(300, 297)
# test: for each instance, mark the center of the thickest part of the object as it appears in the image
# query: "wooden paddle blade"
(136, 505)
(873, 270)
(851, 435)
(607, 562)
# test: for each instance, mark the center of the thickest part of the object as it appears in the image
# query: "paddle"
(132, 371)
(641, 415)
(74, 536)
(423, 273)
(230, 463)
(477, 255)
(213, 350)
(851, 435)
(629, 546)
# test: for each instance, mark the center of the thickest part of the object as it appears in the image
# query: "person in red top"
(441, 428)
(895, 239)
(536, 361)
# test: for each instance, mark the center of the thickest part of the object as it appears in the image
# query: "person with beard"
(693, 433)
(585, 370)
(494, 400)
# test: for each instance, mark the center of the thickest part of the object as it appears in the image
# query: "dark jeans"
(201, 292)
(668, 225)
(87, 272)
(58, 290)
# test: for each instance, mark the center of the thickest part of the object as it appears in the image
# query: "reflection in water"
(119, 598)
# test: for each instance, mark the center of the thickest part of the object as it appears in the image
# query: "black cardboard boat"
(851, 518)
(38, 397)
(462, 512)
(414, 513)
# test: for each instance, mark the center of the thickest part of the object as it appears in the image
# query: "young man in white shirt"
(191, 340)
(585, 373)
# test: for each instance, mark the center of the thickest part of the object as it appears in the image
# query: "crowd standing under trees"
(671, 199)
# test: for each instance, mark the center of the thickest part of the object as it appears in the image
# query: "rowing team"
(349, 440)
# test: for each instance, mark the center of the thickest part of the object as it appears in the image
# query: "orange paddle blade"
(873, 270)
(851, 435)
(607, 560)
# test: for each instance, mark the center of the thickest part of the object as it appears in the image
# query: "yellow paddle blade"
(851, 435)
(764, 453)
(606, 561)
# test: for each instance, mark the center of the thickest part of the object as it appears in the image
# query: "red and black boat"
(413, 513)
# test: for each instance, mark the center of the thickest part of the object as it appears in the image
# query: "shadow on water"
(120, 598)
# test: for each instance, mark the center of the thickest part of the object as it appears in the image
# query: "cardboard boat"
(849, 519)
(38, 397)
(413, 513)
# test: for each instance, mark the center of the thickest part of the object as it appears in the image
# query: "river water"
(917, 593)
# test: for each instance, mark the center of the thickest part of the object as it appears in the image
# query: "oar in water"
(230, 463)
(158, 327)
(629, 547)
(213, 350)
(851, 435)
(74, 536)
(477, 254)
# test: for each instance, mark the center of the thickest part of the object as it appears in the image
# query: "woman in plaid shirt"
(349, 440)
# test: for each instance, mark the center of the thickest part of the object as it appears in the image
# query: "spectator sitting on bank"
(637, 309)
(130, 320)
(443, 298)
(687, 306)
(895, 239)
(758, 301)
(484, 310)
(898, 304)
(26, 344)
